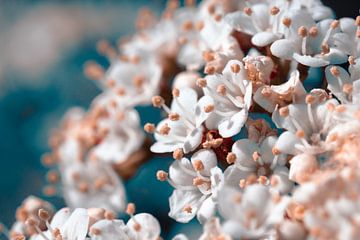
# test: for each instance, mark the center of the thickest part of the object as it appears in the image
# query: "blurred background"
(43, 47)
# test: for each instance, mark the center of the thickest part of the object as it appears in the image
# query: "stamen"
(302, 31)
(157, 101)
(231, 158)
(284, 111)
(165, 129)
(275, 151)
(187, 26)
(286, 22)
(351, 60)
(95, 231)
(174, 116)
(209, 108)
(210, 70)
(149, 128)
(130, 209)
(201, 82)
(199, 25)
(161, 175)
(198, 165)
(208, 56)
(109, 215)
(178, 154)
(217, 17)
(52, 176)
(248, 11)
(347, 88)
(33, 223)
(274, 11)
(263, 180)
(313, 32)
(187, 209)
(235, 68)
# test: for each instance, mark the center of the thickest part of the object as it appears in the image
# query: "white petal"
(76, 227)
(310, 61)
(179, 199)
(333, 82)
(60, 217)
(244, 150)
(206, 211)
(232, 126)
(356, 92)
(149, 226)
(208, 159)
(284, 48)
(164, 147)
(241, 22)
(182, 172)
(193, 140)
(284, 184)
(109, 229)
(263, 39)
(200, 113)
(186, 102)
(287, 143)
(266, 147)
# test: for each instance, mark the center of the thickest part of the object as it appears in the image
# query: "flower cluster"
(250, 143)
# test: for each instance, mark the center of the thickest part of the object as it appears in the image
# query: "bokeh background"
(43, 47)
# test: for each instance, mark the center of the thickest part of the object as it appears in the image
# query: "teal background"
(28, 111)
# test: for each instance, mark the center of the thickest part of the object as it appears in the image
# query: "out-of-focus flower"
(252, 213)
(92, 184)
(135, 81)
(29, 208)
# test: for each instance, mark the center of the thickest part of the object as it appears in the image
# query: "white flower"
(232, 94)
(292, 91)
(212, 230)
(144, 226)
(196, 184)
(310, 44)
(261, 21)
(183, 129)
(123, 133)
(348, 40)
(259, 68)
(252, 214)
(186, 79)
(108, 132)
(344, 86)
(109, 229)
(215, 30)
(307, 126)
(256, 160)
(154, 42)
(29, 208)
(133, 82)
(92, 184)
(67, 225)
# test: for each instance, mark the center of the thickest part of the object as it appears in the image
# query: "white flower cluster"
(256, 154)
(38, 223)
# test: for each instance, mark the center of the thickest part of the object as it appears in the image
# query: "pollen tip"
(178, 154)
(161, 175)
(130, 209)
